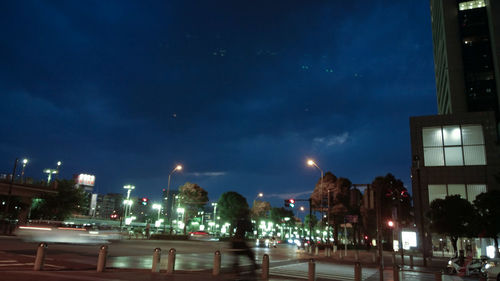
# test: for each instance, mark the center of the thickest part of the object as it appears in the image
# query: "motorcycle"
(467, 266)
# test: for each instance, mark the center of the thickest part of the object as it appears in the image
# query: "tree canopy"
(488, 215)
(232, 207)
(192, 197)
(452, 216)
(60, 206)
(260, 209)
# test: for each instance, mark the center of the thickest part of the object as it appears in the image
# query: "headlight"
(449, 262)
(488, 265)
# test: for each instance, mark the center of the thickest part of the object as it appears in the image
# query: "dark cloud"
(248, 89)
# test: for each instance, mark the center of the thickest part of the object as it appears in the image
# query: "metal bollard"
(312, 270)
(438, 276)
(40, 257)
(171, 261)
(101, 260)
(316, 250)
(216, 270)
(356, 256)
(335, 248)
(357, 271)
(265, 267)
(326, 251)
(340, 255)
(156, 260)
(374, 258)
(411, 261)
(395, 272)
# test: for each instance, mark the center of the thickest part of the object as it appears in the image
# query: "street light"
(50, 172)
(58, 166)
(128, 202)
(311, 163)
(167, 213)
(157, 207)
(25, 161)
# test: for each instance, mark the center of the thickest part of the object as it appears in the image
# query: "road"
(285, 260)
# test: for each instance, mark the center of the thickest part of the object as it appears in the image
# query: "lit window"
(453, 146)
(469, 5)
(469, 191)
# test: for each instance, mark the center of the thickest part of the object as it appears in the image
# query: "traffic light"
(290, 203)
(144, 201)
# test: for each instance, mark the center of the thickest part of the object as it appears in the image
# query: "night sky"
(240, 93)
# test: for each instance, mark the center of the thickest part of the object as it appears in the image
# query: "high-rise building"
(457, 152)
(466, 39)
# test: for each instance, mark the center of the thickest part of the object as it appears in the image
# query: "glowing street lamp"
(49, 173)
(25, 161)
(311, 163)
(157, 207)
(177, 168)
(129, 189)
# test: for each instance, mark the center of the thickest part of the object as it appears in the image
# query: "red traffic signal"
(290, 203)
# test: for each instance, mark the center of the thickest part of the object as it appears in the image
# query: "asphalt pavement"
(131, 260)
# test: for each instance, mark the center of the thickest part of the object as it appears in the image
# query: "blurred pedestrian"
(239, 246)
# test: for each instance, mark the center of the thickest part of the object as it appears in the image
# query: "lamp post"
(311, 163)
(128, 202)
(49, 173)
(58, 166)
(215, 216)
(25, 161)
(169, 209)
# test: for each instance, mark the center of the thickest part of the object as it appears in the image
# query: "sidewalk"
(123, 275)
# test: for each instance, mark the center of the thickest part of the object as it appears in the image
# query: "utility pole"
(378, 193)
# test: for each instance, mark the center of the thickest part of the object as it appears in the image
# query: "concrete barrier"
(395, 272)
(156, 260)
(265, 267)
(101, 260)
(357, 271)
(40, 257)
(217, 258)
(171, 261)
(312, 270)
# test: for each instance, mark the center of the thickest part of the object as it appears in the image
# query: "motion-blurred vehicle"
(266, 242)
(66, 233)
(202, 235)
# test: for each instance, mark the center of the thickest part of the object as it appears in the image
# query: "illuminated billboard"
(84, 179)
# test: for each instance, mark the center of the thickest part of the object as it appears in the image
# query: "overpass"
(25, 192)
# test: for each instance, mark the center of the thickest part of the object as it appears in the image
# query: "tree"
(192, 197)
(393, 197)
(68, 200)
(487, 210)
(232, 207)
(452, 216)
(260, 209)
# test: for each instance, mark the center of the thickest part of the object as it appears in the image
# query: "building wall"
(466, 56)
(423, 176)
